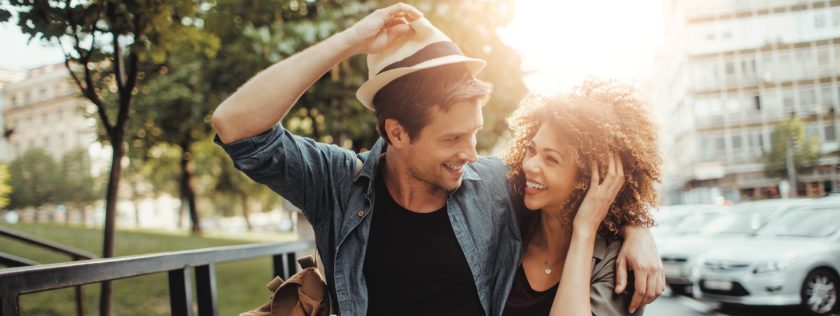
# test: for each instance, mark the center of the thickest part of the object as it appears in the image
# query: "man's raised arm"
(266, 98)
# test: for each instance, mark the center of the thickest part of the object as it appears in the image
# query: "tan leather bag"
(303, 294)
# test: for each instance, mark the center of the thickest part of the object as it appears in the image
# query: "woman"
(569, 154)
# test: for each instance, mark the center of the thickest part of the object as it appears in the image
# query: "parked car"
(668, 218)
(679, 252)
(793, 260)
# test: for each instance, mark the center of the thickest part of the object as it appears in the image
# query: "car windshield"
(694, 223)
(805, 222)
(741, 223)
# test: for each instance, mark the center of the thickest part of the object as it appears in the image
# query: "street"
(684, 306)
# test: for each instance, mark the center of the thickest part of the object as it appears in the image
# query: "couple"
(421, 224)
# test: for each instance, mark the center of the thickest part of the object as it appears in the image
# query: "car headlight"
(772, 266)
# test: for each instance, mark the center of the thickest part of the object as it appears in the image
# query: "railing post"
(80, 297)
(180, 292)
(80, 302)
(279, 266)
(205, 284)
(9, 305)
(291, 263)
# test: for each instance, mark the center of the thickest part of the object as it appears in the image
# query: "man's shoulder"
(490, 168)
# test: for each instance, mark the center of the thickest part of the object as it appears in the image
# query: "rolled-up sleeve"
(602, 295)
(309, 174)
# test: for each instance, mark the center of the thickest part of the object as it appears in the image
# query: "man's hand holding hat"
(381, 28)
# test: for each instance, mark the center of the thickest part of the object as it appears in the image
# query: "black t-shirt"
(414, 265)
(524, 300)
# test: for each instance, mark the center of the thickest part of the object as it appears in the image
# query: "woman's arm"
(573, 292)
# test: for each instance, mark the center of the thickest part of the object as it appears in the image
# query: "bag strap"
(307, 262)
(274, 284)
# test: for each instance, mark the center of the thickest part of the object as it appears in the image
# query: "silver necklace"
(547, 267)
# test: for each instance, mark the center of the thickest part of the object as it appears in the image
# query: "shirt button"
(361, 213)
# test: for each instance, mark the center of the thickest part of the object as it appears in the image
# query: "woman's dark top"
(524, 300)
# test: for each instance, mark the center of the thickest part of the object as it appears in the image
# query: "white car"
(669, 217)
(793, 260)
(680, 251)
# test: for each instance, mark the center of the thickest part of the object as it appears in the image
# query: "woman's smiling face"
(550, 169)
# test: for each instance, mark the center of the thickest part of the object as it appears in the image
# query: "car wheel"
(819, 292)
(680, 289)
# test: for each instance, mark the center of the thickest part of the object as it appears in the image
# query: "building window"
(829, 133)
(756, 143)
(748, 67)
(824, 57)
(786, 67)
(14, 101)
(805, 63)
(819, 20)
(827, 96)
(736, 142)
(42, 94)
(788, 102)
(807, 99)
(770, 102)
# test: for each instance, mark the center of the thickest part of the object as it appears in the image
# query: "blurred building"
(7, 76)
(44, 110)
(730, 70)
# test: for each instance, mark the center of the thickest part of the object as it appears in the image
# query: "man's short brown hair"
(410, 99)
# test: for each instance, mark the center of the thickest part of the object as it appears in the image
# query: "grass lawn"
(240, 284)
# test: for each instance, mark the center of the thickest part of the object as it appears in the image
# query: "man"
(420, 224)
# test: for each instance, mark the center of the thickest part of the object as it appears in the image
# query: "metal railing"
(75, 254)
(24, 280)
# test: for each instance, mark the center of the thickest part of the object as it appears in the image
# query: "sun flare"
(563, 42)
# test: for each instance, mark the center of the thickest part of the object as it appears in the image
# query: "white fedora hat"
(427, 47)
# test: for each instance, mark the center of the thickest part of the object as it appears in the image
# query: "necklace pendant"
(547, 271)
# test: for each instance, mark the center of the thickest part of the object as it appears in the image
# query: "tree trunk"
(187, 192)
(110, 218)
(246, 211)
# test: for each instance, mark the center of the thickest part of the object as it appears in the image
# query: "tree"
(34, 178)
(791, 152)
(175, 112)
(5, 187)
(77, 185)
(256, 36)
(104, 42)
(227, 187)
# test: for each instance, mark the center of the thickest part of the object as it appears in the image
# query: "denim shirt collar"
(370, 163)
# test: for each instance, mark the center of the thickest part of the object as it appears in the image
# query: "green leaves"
(34, 179)
(5, 187)
(806, 150)
(5, 15)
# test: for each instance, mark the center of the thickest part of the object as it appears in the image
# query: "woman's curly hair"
(596, 118)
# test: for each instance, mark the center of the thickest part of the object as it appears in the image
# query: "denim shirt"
(320, 179)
